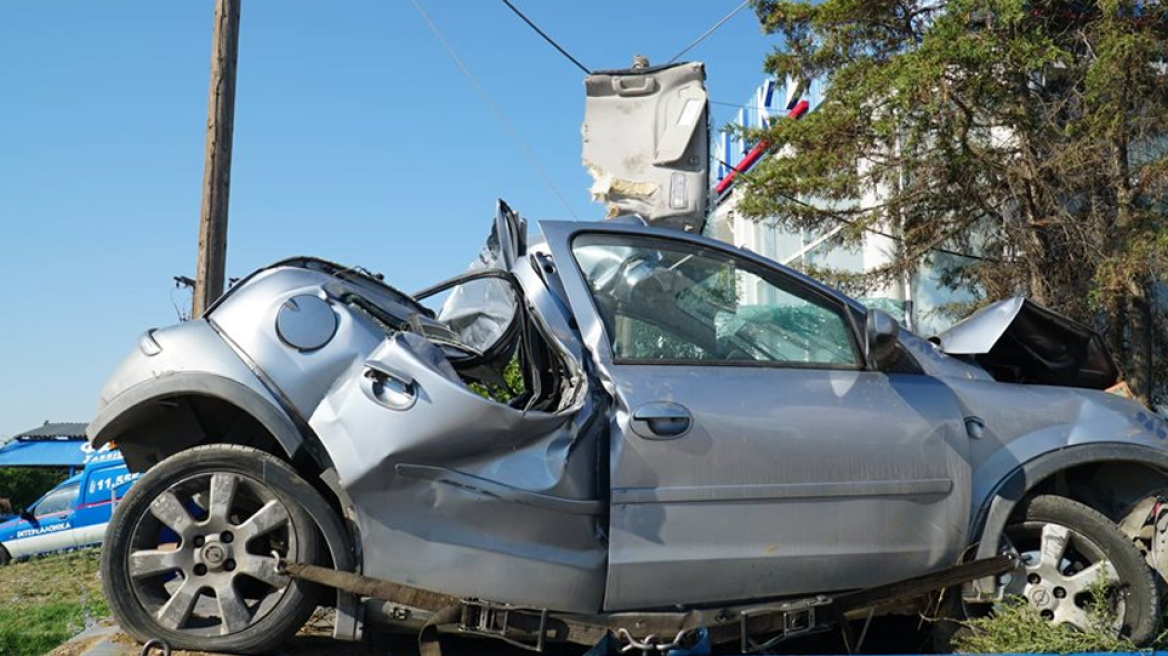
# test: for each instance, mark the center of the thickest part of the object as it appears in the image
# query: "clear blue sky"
(356, 139)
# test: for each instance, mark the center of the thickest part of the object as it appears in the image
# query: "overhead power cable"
(739, 105)
(708, 32)
(547, 38)
(507, 127)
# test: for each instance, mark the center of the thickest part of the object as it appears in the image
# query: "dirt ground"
(315, 639)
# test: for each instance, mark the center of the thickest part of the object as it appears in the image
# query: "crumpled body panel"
(435, 468)
(1019, 341)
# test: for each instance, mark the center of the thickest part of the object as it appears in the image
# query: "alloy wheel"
(203, 559)
(1062, 573)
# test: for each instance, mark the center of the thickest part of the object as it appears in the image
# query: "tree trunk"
(1116, 309)
(1036, 268)
(1142, 338)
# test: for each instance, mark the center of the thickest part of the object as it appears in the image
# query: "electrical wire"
(708, 32)
(507, 126)
(739, 105)
(547, 38)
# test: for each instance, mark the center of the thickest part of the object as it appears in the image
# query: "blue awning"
(23, 452)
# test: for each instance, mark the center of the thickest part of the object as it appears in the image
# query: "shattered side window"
(642, 340)
(667, 301)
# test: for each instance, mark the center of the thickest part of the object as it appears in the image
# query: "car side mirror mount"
(28, 517)
(881, 333)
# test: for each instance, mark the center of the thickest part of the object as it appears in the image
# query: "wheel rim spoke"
(1069, 613)
(1101, 572)
(262, 569)
(265, 520)
(223, 488)
(170, 511)
(1054, 545)
(234, 613)
(151, 562)
(177, 610)
(193, 585)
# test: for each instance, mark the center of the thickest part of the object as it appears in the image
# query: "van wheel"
(190, 553)
(5, 557)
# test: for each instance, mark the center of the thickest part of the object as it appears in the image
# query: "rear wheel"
(191, 550)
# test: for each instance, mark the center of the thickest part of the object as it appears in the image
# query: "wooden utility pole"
(212, 262)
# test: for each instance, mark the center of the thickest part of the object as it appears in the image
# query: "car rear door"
(753, 453)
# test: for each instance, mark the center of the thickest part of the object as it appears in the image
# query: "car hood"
(1019, 341)
(8, 528)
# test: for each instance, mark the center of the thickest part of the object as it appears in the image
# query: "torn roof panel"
(646, 143)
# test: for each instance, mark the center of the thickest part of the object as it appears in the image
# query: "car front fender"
(990, 522)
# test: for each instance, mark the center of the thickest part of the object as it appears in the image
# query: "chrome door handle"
(661, 420)
(389, 387)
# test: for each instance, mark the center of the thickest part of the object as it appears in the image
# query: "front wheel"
(1071, 554)
(5, 557)
(190, 553)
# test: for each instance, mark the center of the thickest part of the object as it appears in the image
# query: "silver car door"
(753, 455)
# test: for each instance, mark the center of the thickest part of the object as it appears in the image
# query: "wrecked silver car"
(616, 432)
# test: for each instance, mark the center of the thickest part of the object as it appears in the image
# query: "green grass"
(1016, 627)
(45, 601)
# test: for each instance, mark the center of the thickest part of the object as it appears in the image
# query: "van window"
(57, 501)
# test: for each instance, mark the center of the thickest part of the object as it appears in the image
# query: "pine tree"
(1034, 133)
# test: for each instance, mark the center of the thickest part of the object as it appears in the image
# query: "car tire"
(1092, 539)
(5, 557)
(189, 556)
(1089, 542)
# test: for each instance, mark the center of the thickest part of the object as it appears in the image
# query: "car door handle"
(661, 420)
(389, 387)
